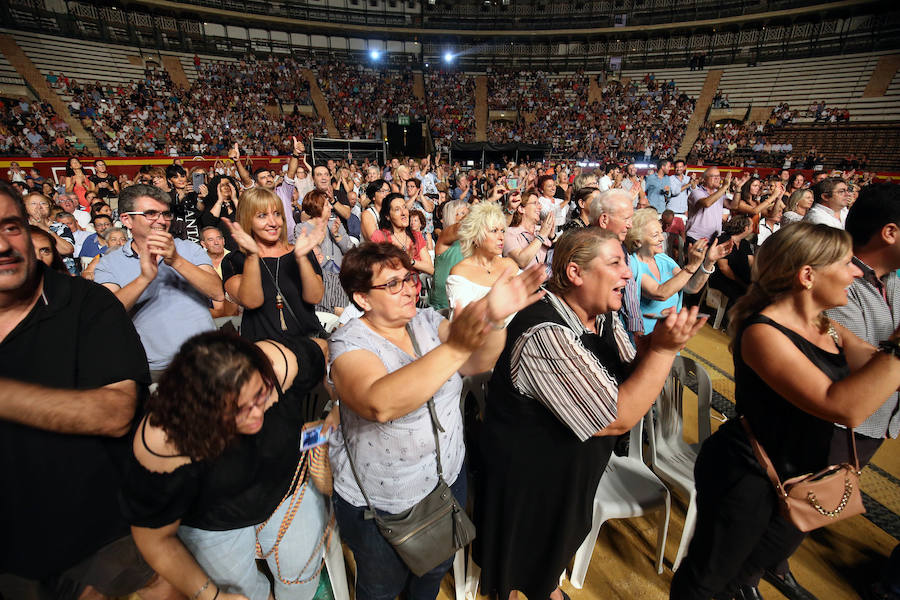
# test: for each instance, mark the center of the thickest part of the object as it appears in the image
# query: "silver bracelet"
(202, 589)
(710, 272)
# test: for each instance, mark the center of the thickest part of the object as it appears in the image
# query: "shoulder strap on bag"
(762, 457)
(435, 427)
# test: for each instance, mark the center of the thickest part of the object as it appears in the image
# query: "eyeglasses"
(153, 215)
(395, 285)
(258, 402)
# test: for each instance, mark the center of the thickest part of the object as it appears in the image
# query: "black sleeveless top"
(796, 441)
(243, 485)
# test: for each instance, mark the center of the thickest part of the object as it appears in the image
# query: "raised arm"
(793, 376)
(235, 155)
(246, 288)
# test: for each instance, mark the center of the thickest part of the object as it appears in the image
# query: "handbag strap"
(766, 462)
(435, 427)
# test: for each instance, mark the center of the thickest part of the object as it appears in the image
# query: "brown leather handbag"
(816, 499)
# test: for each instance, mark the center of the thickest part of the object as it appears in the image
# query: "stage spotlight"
(374, 54)
(448, 57)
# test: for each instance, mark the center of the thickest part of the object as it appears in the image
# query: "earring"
(808, 285)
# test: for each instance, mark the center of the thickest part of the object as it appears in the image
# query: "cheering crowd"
(573, 290)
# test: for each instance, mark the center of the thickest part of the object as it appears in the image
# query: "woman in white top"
(481, 236)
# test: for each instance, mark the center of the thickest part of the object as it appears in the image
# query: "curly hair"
(196, 402)
(473, 230)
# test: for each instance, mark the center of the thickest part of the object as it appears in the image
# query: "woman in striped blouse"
(566, 384)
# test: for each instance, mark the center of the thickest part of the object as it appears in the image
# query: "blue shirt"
(90, 248)
(666, 266)
(678, 203)
(656, 196)
(170, 310)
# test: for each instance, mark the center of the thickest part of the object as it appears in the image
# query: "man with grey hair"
(164, 283)
(68, 203)
(612, 210)
(706, 205)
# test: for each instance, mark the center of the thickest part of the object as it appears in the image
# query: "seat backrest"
(636, 441)
(329, 321)
(669, 426)
(477, 386)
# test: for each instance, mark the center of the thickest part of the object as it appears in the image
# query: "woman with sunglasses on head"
(277, 283)
(217, 478)
(528, 239)
(386, 367)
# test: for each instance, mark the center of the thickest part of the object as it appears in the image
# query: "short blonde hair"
(473, 229)
(256, 200)
(642, 217)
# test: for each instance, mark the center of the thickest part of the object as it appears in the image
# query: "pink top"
(517, 238)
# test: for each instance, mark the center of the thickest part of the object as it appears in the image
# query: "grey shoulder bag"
(433, 530)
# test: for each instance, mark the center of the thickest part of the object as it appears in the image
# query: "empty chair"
(717, 300)
(670, 456)
(627, 489)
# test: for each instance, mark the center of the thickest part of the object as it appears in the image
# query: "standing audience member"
(277, 283)
(706, 205)
(397, 370)
(659, 278)
(797, 373)
(394, 228)
(217, 477)
(528, 238)
(330, 251)
(447, 251)
(566, 384)
(59, 428)
(164, 283)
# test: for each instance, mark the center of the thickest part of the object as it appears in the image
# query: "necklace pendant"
(279, 304)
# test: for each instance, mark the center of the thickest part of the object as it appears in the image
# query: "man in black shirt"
(64, 418)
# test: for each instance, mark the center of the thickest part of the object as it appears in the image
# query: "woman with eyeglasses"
(217, 478)
(528, 239)
(386, 366)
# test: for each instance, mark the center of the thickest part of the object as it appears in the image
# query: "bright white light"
(448, 57)
(374, 54)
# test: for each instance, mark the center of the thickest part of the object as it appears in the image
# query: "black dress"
(739, 530)
(535, 500)
(264, 323)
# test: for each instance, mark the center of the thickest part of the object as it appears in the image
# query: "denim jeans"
(229, 557)
(380, 573)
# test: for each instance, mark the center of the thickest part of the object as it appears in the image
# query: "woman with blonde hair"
(277, 283)
(481, 236)
(797, 374)
(659, 278)
(797, 206)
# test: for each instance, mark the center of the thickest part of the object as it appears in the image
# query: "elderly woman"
(330, 252)
(217, 476)
(447, 251)
(798, 205)
(565, 386)
(394, 223)
(796, 375)
(277, 283)
(528, 239)
(661, 281)
(387, 367)
(481, 236)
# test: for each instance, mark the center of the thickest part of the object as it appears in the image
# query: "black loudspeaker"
(406, 140)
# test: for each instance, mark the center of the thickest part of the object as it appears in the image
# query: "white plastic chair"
(627, 489)
(337, 570)
(670, 456)
(717, 300)
(329, 321)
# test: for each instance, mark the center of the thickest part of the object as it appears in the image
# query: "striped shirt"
(549, 363)
(631, 302)
(872, 313)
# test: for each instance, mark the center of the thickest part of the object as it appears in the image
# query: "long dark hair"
(57, 263)
(384, 217)
(196, 402)
(70, 172)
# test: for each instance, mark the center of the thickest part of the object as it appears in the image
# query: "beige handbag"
(817, 499)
